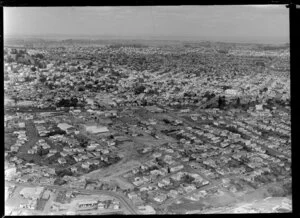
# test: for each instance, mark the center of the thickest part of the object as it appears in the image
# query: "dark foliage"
(139, 89)
(67, 102)
(63, 172)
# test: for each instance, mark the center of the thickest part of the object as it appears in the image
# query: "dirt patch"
(149, 141)
(114, 170)
(122, 183)
(186, 205)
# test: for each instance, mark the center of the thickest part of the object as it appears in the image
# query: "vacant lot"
(113, 170)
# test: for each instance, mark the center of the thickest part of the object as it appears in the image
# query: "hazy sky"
(224, 23)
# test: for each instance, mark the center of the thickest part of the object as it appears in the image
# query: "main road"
(125, 201)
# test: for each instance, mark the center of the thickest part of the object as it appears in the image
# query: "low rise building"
(176, 168)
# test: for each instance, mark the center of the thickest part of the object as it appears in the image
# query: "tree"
(73, 102)
(57, 131)
(15, 99)
(59, 181)
(42, 79)
(135, 189)
(89, 86)
(9, 59)
(28, 79)
(260, 63)
(220, 102)
(139, 89)
(187, 179)
(41, 65)
(226, 87)
(39, 152)
(81, 88)
(224, 100)
(238, 101)
(83, 142)
(63, 172)
(166, 121)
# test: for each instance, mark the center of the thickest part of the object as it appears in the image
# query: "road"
(123, 200)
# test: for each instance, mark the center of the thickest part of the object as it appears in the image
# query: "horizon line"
(156, 37)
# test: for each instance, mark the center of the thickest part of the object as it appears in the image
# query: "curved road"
(126, 202)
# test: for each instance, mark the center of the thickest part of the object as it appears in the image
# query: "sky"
(247, 23)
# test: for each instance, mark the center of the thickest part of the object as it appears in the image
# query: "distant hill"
(45, 41)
